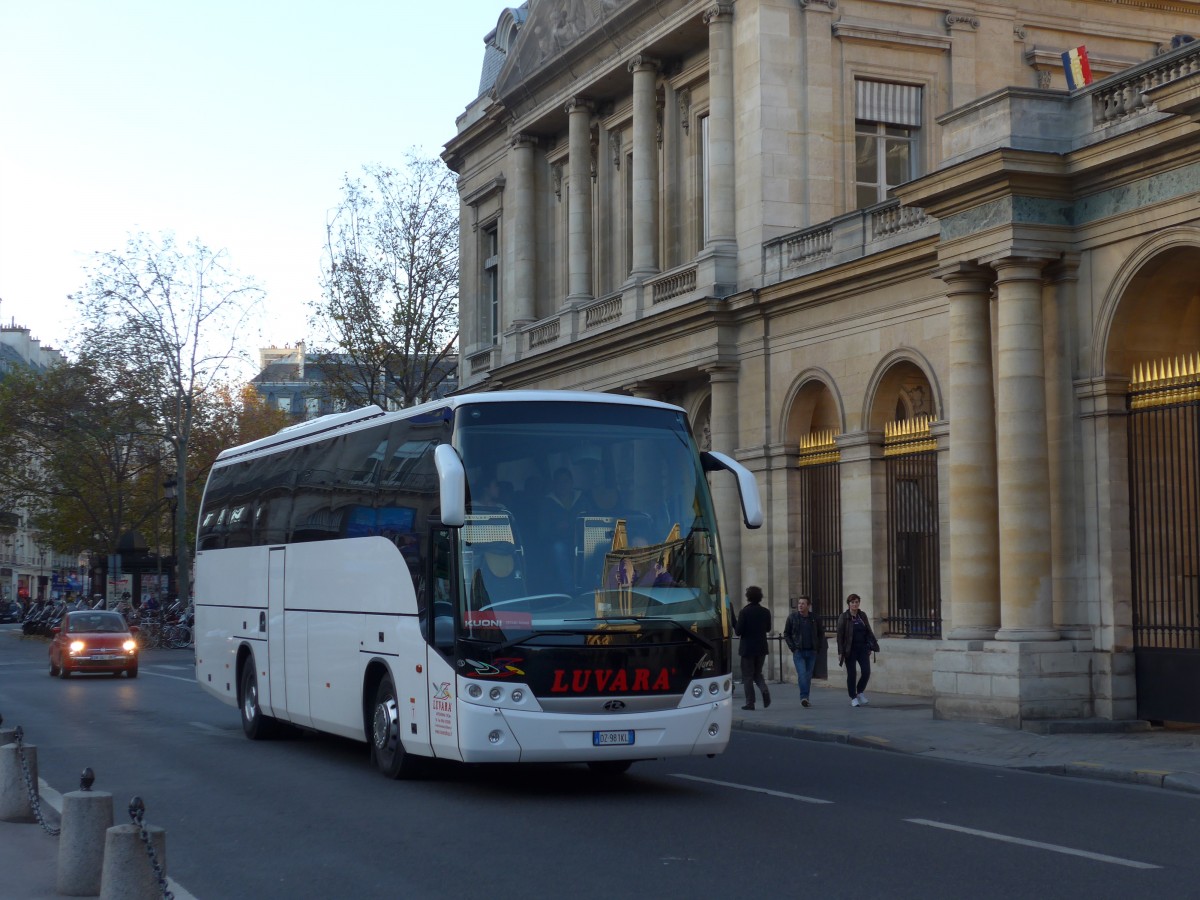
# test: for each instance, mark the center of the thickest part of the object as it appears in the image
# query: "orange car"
(93, 641)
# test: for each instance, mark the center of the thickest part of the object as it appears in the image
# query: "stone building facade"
(947, 310)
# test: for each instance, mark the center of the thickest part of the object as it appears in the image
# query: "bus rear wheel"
(255, 724)
(387, 750)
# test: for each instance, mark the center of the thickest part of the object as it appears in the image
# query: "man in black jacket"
(806, 639)
(753, 624)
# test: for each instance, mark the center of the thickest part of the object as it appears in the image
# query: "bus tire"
(610, 768)
(387, 750)
(256, 725)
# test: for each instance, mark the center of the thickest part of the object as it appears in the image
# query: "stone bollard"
(128, 874)
(15, 803)
(87, 816)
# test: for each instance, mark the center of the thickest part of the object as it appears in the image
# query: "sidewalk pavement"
(1130, 752)
(29, 856)
(1127, 752)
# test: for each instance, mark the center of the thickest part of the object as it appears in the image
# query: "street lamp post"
(171, 492)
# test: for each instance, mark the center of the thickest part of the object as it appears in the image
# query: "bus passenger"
(560, 509)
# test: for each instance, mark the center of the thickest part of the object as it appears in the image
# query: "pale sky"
(231, 121)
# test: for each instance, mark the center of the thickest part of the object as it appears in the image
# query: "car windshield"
(97, 623)
(582, 516)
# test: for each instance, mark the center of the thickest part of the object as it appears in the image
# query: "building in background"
(946, 308)
(293, 380)
(29, 570)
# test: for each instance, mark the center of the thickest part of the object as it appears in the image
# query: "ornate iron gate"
(818, 531)
(1164, 504)
(914, 603)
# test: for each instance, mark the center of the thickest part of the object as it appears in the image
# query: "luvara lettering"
(609, 681)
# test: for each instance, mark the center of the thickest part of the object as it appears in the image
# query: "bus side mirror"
(752, 512)
(452, 485)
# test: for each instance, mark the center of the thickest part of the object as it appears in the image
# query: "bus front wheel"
(255, 724)
(387, 750)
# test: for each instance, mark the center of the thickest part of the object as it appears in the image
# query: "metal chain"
(35, 800)
(137, 811)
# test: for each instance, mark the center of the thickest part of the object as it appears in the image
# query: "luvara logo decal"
(607, 681)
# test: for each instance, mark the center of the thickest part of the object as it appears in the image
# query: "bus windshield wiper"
(703, 642)
(522, 638)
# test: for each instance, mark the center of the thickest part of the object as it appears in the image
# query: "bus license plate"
(612, 738)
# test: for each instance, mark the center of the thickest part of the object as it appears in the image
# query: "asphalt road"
(307, 817)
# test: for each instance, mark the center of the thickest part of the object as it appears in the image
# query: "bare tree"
(390, 307)
(167, 318)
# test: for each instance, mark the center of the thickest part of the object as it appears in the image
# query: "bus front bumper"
(491, 734)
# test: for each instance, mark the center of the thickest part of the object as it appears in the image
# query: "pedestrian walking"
(753, 624)
(806, 639)
(856, 642)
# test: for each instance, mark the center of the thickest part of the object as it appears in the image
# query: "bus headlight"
(713, 729)
(697, 691)
(725, 687)
(713, 687)
(495, 737)
(495, 693)
(474, 690)
(518, 695)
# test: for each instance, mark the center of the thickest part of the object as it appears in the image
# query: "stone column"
(1065, 453)
(721, 194)
(579, 197)
(645, 168)
(974, 516)
(1023, 473)
(524, 231)
(723, 422)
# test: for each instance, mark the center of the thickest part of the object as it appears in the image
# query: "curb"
(1181, 782)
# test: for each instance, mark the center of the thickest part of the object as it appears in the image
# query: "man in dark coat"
(753, 624)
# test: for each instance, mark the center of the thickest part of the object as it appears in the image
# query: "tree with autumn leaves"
(81, 454)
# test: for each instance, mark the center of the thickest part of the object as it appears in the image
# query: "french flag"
(1075, 64)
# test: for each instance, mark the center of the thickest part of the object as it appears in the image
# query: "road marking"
(1056, 848)
(757, 790)
(172, 677)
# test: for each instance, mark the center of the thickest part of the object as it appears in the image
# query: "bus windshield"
(584, 518)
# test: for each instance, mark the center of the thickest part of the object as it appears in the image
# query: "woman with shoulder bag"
(856, 642)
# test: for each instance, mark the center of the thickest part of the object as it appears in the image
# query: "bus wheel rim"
(386, 725)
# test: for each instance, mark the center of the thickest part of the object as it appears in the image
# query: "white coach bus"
(526, 576)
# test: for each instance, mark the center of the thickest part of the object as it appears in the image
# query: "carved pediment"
(554, 27)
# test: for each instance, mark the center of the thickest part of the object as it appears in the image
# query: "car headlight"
(76, 646)
(129, 646)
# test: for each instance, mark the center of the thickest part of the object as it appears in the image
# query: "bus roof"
(338, 421)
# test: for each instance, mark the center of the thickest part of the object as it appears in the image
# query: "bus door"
(440, 650)
(275, 633)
